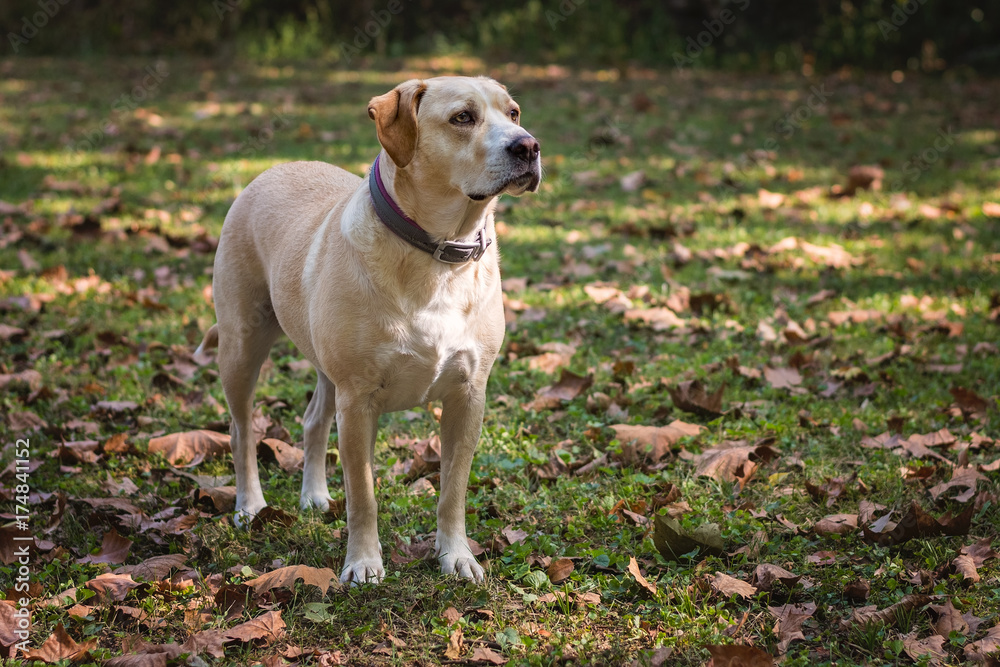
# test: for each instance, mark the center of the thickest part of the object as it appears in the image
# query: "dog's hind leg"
(246, 332)
(319, 417)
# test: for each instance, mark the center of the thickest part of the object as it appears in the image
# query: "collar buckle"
(468, 252)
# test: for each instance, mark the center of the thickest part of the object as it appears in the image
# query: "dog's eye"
(462, 118)
(514, 115)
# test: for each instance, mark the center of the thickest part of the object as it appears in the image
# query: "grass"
(201, 132)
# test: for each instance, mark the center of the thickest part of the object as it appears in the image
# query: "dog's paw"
(243, 516)
(323, 502)
(465, 567)
(462, 564)
(362, 571)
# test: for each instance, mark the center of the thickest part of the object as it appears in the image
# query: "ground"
(793, 282)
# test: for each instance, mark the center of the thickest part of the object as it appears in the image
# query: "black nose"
(526, 148)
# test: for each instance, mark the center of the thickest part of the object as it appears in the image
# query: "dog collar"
(449, 252)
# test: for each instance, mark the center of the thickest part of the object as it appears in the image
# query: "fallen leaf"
(270, 515)
(569, 386)
(888, 616)
(733, 461)
(789, 619)
(767, 574)
(857, 591)
(691, 397)
(673, 541)
(782, 378)
(560, 569)
(658, 319)
(729, 586)
(114, 550)
(288, 457)
(734, 655)
(651, 443)
(948, 620)
(60, 646)
(917, 523)
(285, 577)
(456, 644)
(267, 627)
(112, 587)
(633, 569)
(836, 524)
(483, 654)
(966, 478)
(190, 446)
(155, 568)
(980, 650)
(822, 558)
(931, 647)
(222, 498)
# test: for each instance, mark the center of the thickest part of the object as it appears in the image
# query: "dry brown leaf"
(948, 620)
(782, 378)
(484, 655)
(651, 443)
(155, 568)
(691, 397)
(966, 478)
(789, 619)
(221, 498)
(766, 574)
(980, 650)
(114, 550)
(267, 627)
(871, 614)
(456, 644)
(836, 524)
(285, 577)
(733, 461)
(658, 319)
(112, 587)
(931, 647)
(917, 523)
(190, 446)
(633, 569)
(569, 386)
(60, 646)
(734, 655)
(451, 615)
(560, 569)
(729, 586)
(288, 457)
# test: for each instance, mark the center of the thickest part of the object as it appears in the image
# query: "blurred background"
(780, 35)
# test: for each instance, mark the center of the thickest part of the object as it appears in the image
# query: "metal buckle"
(476, 251)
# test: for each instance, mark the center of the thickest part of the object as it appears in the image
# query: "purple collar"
(406, 228)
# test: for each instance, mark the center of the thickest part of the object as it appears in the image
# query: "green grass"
(215, 128)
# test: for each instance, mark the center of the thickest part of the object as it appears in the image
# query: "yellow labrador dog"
(389, 285)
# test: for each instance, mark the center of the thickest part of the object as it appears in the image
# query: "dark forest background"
(929, 35)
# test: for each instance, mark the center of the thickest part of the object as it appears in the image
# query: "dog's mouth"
(527, 181)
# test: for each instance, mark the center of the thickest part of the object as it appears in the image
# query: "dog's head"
(461, 131)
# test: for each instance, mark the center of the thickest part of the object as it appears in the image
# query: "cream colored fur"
(386, 326)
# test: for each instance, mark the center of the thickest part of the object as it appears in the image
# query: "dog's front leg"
(461, 425)
(357, 423)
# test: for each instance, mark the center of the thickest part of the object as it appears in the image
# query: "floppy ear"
(395, 116)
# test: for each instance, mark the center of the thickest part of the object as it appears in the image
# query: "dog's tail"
(209, 342)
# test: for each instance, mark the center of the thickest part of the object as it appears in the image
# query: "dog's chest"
(433, 349)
